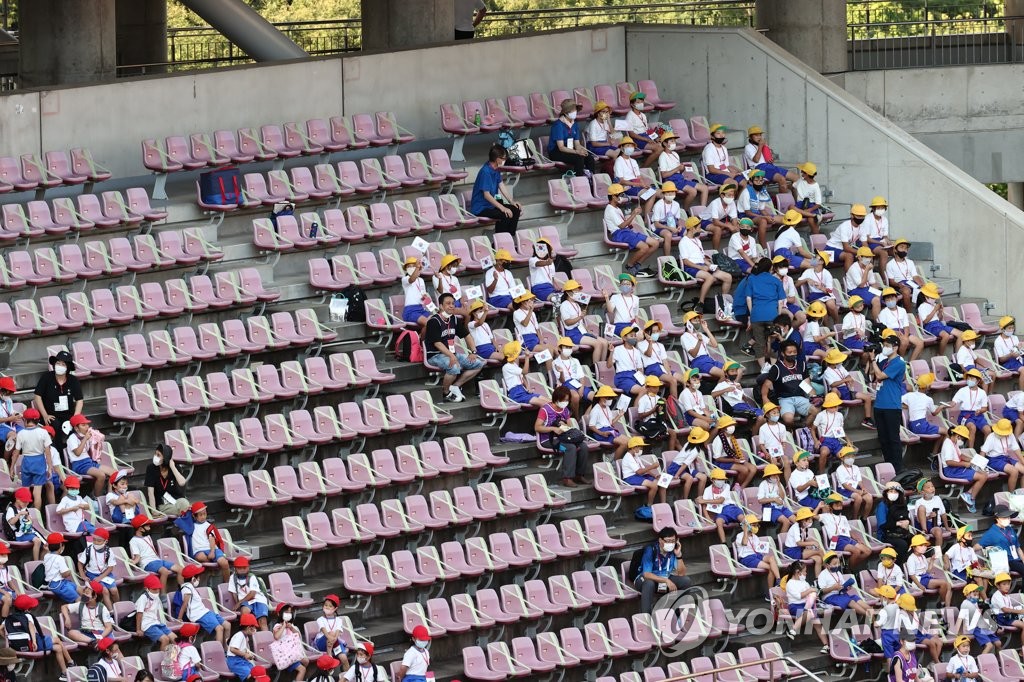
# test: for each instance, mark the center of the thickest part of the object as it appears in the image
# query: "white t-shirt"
(727, 495)
(999, 601)
(691, 250)
(854, 323)
(1004, 345)
(950, 454)
(767, 489)
(667, 213)
(961, 664)
(646, 402)
(511, 375)
(238, 641)
(624, 308)
(72, 444)
(795, 588)
(834, 525)
(719, 210)
(789, 239)
(828, 579)
(797, 478)
(901, 272)
(73, 519)
(522, 326)
(597, 134)
(888, 616)
(966, 357)
(416, 661)
(481, 333)
(740, 245)
(695, 344)
(874, 228)
(693, 401)
(93, 619)
(715, 157)
(55, 566)
(735, 394)
(998, 445)
(972, 399)
(653, 351)
(569, 368)
(637, 122)
(848, 475)
(415, 291)
(846, 232)
(144, 549)
(667, 161)
(961, 557)
(367, 674)
(627, 359)
(773, 438)
(748, 548)
(793, 536)
(32, 441)
(834, 375)
(200, 539)
(330, 624)
(127, 509)
(96, 560)
(448, 284)
(613, 218)
(894, 318)
(502, 281)
(749, 150)
(600, 417)
(926, 309)
(686, 457)
(188, 656)
(818, 282)
(919, 405)
(241, 587)
(808, 190)
(570, 310)
(464, 13)
(893, 577)
(917, 565)
(152, 610)
(932, 506)
(830, 425)
(540, 274)
(854, 276)
(626, 168)
(812, 328)
(630, 465)
(196, 608)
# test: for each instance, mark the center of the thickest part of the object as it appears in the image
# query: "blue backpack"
(187, 524)
(644, 513)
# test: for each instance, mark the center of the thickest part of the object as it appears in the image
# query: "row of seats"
(92, 260)
(60, 168)
(764, 665)
(539, 109)
(81, 214)
(273, 141)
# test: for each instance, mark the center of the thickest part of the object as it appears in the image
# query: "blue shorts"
(795, 259)
(27, 537)
(155, 566)
(794, 553)
(794, 404)
(771, 170)
(85, 527)
(745, 408)
(780, 512)
(605, 436)
(6, 430)
(921, 637)
(654, 370)
(692, 272)
(519, 394)
(485, 350)
(82, 466)
(793, 308)
(722, 178)
(445, 364)
(117, 514)
(1011, 414)
(638, 479)
(585, 390)
(743, 265)
(844, 541)
(689, 418)
(863, 293)
(632, 190)
(841, 601)
(959, 575)
(210, 622)
(936, 327)
(542, 291)
(730, 513)
(576, 335)
(413, 313)
(705, 363)
(854, 343)
(530, 341)
(984, 637)
(107, 580)
(1013, 364)
(890, 642)
(812, 347)
(599, 150)
(1005, 619)
(925, 579)
(817, 296)
(501, 301)
(258, 608)
(680, 181)
(33, 470)
(844, 392)
(44, 642)
(834, 445)
(923, 427)
(1000, 462)
(155, 632)
(833, 254)
(673, 468)
(752, 560)
(629, 237)
(796, 609)
(625, 381)
(239, 666)
(965, 474)
(810, 502)
(724, 466)
(65, 590)
(977, 419)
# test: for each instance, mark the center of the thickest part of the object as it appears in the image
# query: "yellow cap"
(690, 315)
(801, 455)
(715, 127)
(724, 422)
(969, 335)
(931, 290)
(834, 356)
(975, 373)
(668, 186)
(1001, 578)
(605, 392)
(962, 531)
(803, 513)
(889, 291)
(825, 257)
(636, 442)
(888, 333)
(448, 259)
(523, 298)
(697, 436)
(832, 400)
(502, 254)
(691, 373)
(961, 431)
(971, 587)
(512, 349)
(829, 556)
(834, 498)
(717, 475)
(887, 591)
(864, 252)
(889, 552)
(1003, 427)
(476, 305)
(411, 260)
(773, 470)
(906, 602)
(899, 241)
(792, 217)
(879, 201)
(808, 167)
(652, 323)
(615, 189)
(727, 186)
(692, 222)
(854, 300)
(858, 210)
(626, 140)
(565, 342)
(817, 309)
(653, 381)
(668, 135)
(925, 380)
(778, 259)
(1006, 321)
(961, 640)
(769, 406)
(600, 106)
(752, 519)
(626, 331)
(754, 130)
(847, 450)
(918, 540)
(571, 285)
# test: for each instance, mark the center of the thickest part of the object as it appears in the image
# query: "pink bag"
(287, 650)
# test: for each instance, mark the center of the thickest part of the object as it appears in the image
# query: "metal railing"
(772, 663)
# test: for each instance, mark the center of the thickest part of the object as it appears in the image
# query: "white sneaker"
(457, 392)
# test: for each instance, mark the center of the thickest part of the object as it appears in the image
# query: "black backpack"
(19, 636)
(38, 577)
(636, 563)
(96, 673)
(563, 265)
(8, 530)
(356, 300)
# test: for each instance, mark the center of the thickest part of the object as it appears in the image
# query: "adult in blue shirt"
(488, 187)
(890, 369)
(765, 299)
(565, 144)
(661, 569)
(1003, 536)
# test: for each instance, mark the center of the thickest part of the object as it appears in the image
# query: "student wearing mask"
(247, 592)
(893, 317)
(874, 231)
(727, 454)
(498, 282)
(626, 172)
(662, 569)
(165, 484)
(843, 241)
(565, 144)
(974, 406)
(808, 195)
(903, 274)
(416, 661)
(554, 420)
(697, 264)
(602, 140)
(83, 447)
(150, 619)
(492, 198)
(542, 270)
(443, 328)
(143, 553)
(571, 314)
(801, 597)
(1008, 351)
(788, 243)
(286, 630)
(743, 247)
(837, 590)
(568, 373)
(755, 204)
(757, 154)
(671, 169)
(365, 670)
(636, 119)
(666, 217)
(715, 156)
(723, 215)
(628, 362)
(890, 369)
(821, 287)
(641, 475)
(929, 312)
(58, 395)
(628, 228)
(861, 278)
(329, 633)
(446, 282)
(601, 419)
(517, 366)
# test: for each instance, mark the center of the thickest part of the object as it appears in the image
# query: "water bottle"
(313, 229)
(476, 118)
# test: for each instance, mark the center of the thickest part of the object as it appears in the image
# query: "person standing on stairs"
(890, 369)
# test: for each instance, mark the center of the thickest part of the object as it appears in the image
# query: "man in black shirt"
(443, 328)
(784, 379)
(59, 396)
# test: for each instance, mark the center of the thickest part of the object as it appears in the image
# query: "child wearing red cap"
(194, 610)
(416, 662)
(286, 632)
(31, 446)
(248, 593)
(94, 621)
(19, 521)
(73, 507)
(204, 541)
(240, 654)
(111, 659)
(144, 555)
(24, 633)
(84, 447)
(123, 507)
(150, 619)
(10, 419)
(326, 667)
(57, 569)
(329, 626)
(189, 659)
(98, 564)
(365, 669)
(8, 585)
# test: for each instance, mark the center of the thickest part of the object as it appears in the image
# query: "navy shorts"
(629, 237)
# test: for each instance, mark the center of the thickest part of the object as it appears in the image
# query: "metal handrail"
(739, 666)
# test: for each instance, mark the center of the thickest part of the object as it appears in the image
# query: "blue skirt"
(519, 394)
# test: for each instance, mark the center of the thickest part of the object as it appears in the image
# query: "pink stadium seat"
(89, 208)
(342, 133)
(649, 88)
(319, 132)
(202, 149)
(452, 121)
(295, 138)
(249, 144)
(327, 180)
(348, 171)
(83, 163)
(178, 151)
(34, 170)
(302, 181)
(388, 127)
(226, 144)
(364, 128)
(272, 138)
(11, 174)
(58, 164)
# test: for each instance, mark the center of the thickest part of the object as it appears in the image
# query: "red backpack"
(408, 347)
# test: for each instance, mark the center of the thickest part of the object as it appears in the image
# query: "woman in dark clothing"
(164, 483)
(59, 396)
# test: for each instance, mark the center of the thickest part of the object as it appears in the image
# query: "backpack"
(96, 673)
(804, 439)
(221, 186)
(408, 347)
(563, 265)
(38, 577)
(356, 303)
(636, 563)
(670, 272)
(506, 139)
(727, 265)
(644, 513)
(170, 669)
(652, 428)
(19, 637)
(128, 621)
(9, 531)
(908, 478)
(176, 601)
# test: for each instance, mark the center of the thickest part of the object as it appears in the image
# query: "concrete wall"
(971, 115)
(112, 119)
(739, 78)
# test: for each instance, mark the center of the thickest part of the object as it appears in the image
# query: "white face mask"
(421, 643)
(783, 271)
(887, 351)
(655, 336)
(452, 270)
(627, 150)
(567, 352)
(562, 405)
(671, 146)
(157, 459)
(73, 492)
(892, 497)
(445, 315)
(891, 304)
(970, 345)
(542, 251)
(153, 594)
(60, 370)
(409, 270)
(866, 261)
(670, 198)
(730, 430)
(571, 116)
(972, 382)
(1008, 332)
(286, 616)
(362, 660)
(727, 201)
(879, 212)
(848, 461)
(670, 546)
